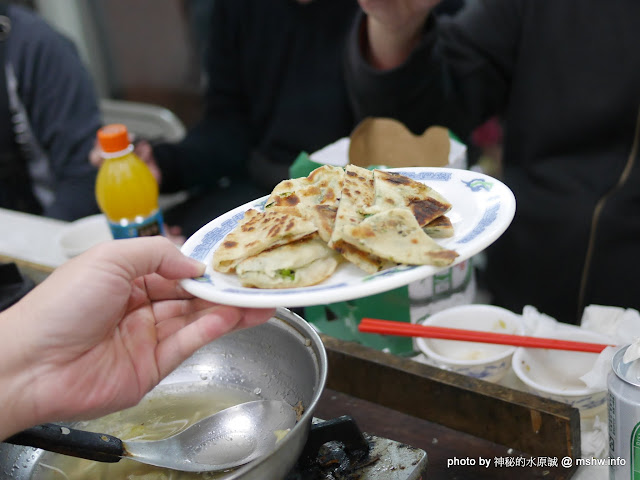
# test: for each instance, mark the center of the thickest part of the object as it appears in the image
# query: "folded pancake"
(373, 219)
(322, 187)
(259, 231)
(356, 198)
(298, 264)
(364, 260)
(395, 190)
(329, 181)
(395, 234)
(287, 193)
(316, 197)
(323, 217)
(441, 227)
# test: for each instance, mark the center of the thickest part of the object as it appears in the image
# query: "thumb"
(144, 255)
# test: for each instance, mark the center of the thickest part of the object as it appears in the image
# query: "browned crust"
(425, 207)
(376, 263)
(440, 227)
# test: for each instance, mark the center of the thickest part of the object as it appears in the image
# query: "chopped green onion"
(287, 273)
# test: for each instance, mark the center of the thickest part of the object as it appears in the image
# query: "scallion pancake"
(356, 198)
(395, 190)
(301, 263)
(395, 235)
(441, 227)
(259, 231)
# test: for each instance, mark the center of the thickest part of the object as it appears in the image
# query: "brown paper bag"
(385, 141)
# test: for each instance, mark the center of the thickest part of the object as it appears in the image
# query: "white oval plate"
(483, 208)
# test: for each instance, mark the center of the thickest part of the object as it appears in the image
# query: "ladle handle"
(68, 441)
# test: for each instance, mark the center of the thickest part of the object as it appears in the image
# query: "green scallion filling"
(287, 273)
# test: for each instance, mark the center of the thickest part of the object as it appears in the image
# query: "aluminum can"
(623, 384)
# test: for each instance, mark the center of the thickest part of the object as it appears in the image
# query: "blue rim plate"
(483, 208)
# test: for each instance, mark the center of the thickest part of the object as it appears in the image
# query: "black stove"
(337, 450)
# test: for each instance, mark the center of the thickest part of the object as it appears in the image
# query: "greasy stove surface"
(355, 456)
(441, 443)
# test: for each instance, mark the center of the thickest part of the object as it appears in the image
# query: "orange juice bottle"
(126, 191)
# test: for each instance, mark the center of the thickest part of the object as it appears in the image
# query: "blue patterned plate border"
(483, 208)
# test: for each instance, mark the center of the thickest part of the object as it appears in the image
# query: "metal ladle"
(228, 439)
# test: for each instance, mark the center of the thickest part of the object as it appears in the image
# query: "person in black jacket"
(275, 88)
(49, 116)
(564, 77)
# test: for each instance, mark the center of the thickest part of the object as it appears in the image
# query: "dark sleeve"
(458, 76)
(219, 144)
(62, 107)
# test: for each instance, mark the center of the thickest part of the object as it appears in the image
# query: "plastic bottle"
(126, 191)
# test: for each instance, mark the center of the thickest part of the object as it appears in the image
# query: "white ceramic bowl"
(480, 360)
(555, 374)
(83, 234)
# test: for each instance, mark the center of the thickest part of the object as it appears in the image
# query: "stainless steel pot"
(282, 359)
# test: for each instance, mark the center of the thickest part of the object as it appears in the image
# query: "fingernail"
(201, 266)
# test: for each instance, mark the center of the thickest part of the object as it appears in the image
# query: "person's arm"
(457, 75)
(220, 143)
(62, 107)
(102, 331)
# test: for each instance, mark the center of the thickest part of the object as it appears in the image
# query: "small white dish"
(483, 208)
(480, 360)
(84, 233)
(555, 374)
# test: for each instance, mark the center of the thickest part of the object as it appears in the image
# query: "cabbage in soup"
(162, 413)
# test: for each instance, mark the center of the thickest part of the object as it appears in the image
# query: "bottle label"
(145, 227)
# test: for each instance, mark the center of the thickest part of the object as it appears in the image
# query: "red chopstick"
(390, 327)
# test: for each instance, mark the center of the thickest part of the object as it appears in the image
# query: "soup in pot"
(165, 411)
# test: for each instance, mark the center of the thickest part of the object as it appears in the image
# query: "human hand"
(393, 29)
(103, 330)
(95, 155)
(174, 233)
(142, 148)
